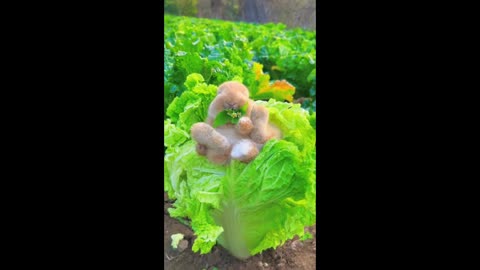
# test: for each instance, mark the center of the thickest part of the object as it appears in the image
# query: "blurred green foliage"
(222, 51)
(181, 7)
(298, 13)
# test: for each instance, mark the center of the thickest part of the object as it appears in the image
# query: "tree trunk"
(253, 11)
(204, 9)
(218, 9)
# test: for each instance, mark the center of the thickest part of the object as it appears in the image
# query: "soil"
(294, 254)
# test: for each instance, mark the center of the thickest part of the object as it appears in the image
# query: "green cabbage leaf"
(246, 208)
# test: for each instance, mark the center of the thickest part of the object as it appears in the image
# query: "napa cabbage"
(246, 208)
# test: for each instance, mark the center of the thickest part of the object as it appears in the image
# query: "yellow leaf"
(279, 89)
(283, 85)
(257, 68)
(276, 68)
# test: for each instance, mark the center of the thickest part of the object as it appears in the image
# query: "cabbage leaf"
(246, 208)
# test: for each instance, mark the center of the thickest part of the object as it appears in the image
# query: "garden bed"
(294, 254)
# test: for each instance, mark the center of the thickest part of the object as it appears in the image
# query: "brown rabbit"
(241, 141)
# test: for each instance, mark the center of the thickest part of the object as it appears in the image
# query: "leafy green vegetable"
(223, 51)
(261, 88)
(192, 106)
(176, 239)
(230, 116)
(246, 208)
(306, 236)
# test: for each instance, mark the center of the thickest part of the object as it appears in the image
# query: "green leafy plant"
(246, 208)
(176, 239)
(256, 55)
(230, 116)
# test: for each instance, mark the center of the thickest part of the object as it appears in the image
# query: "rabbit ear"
(244, 91)
(222, 87)
(220, 90)
(233, 85)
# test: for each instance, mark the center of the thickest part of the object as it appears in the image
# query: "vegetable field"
(257, 215)
(250, 53)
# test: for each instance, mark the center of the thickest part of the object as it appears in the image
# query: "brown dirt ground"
(294, 254)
